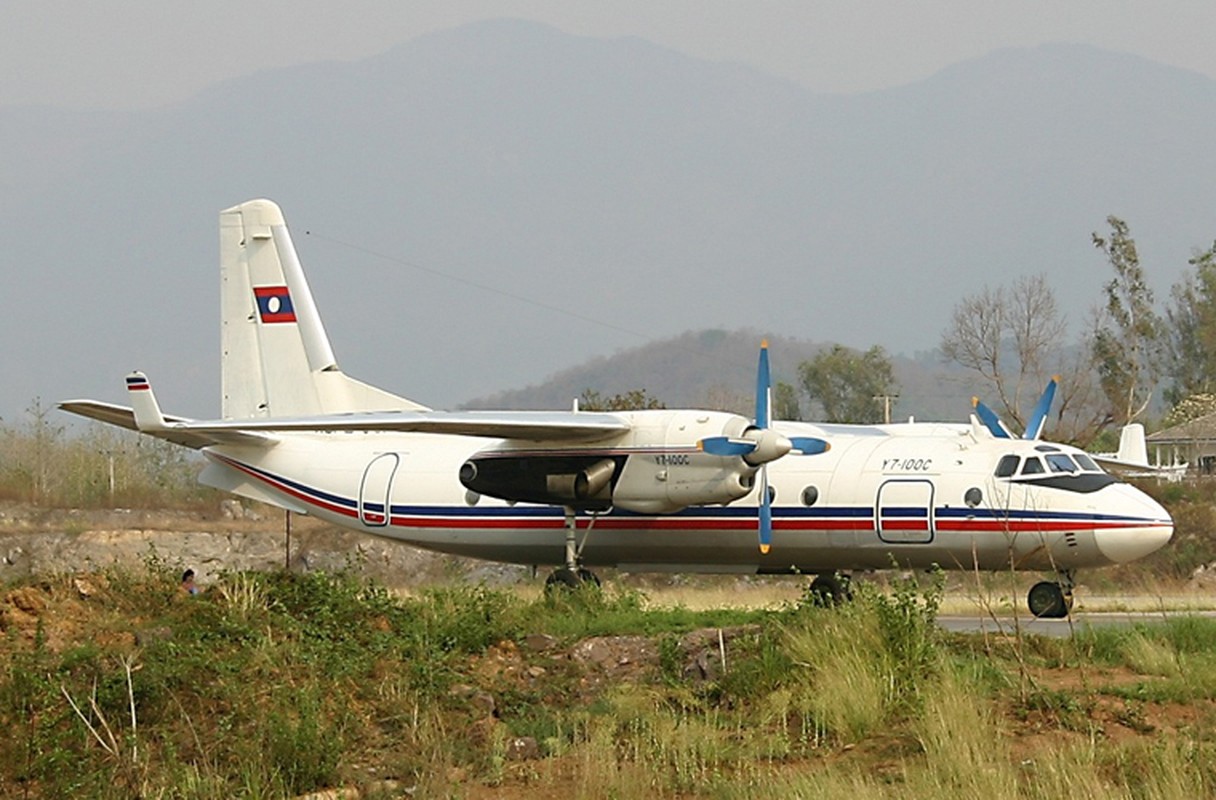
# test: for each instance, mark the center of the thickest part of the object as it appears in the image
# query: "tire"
(565, 579)
(562, 578)
(1046, 600)
(828, 591)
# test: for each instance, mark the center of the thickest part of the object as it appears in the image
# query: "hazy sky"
(141, 53)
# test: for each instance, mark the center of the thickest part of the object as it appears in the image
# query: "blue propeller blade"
(1038, 418)
(726, 446)
(809, 446)
(766, 513)
(991, 421)
(763, 387)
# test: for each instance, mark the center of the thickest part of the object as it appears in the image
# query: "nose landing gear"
(1052, 599)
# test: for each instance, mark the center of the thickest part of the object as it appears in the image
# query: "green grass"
(273, 685)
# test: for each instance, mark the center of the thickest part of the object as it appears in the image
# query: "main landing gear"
(1052, 599)
(830, 589)
(572, 574)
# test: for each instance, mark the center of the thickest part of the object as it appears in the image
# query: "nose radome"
(1148, 529)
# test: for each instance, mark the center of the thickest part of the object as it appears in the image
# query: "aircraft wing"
(529, 425)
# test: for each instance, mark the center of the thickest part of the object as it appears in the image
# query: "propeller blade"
(726, 446)
(1038, 418)
(766, 513)
(991, 421)
(764, 387)
(809, 446)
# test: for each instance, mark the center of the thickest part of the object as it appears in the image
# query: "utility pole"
(886, 399)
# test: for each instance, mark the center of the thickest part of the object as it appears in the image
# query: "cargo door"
(905, 511)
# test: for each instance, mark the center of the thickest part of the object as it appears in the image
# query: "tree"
(1126, 344)
(785, 402)
(1190, 331)
(1011, 337)
(844, 383)
(632, 400)
(1014, 339)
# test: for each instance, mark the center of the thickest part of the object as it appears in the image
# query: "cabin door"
(376, 490)
(905, 511)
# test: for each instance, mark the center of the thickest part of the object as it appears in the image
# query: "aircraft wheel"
(1047, 600)
(564, 579)
(829, 590)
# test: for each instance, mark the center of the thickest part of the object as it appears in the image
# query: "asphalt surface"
(1002, 624)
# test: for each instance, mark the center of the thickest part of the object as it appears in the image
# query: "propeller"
(760, 444)
(1034, 426)
(991, 421)
(1038, 417)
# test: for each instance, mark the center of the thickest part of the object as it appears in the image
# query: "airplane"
(676, 490)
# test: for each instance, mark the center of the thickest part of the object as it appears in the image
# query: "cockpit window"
(1087, 463)
(1006, 466)
(1058, 462)
(1033, 466)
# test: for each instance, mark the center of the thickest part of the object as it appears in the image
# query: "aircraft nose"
(1148, 526)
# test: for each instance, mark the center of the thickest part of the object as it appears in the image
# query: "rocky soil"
(56, 541)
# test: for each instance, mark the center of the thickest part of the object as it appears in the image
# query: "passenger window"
(1033, 466)
(1007, 466)
(1061, 463)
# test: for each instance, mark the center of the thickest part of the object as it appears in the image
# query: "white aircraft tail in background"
(1132, 459)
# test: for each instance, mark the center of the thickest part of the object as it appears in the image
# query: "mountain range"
(481, 208)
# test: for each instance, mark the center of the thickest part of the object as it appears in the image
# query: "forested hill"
(717, 369)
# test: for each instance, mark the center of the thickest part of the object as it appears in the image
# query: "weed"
(273, 685)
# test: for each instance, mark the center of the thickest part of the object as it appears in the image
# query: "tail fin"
(1132, 446)
(276, 358)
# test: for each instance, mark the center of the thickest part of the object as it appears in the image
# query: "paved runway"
(974, 623)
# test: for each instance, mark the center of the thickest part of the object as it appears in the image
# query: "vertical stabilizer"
(276, 358)
(1132, 446)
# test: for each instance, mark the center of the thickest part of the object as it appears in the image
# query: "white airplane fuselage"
(881, 496)
(654, 490)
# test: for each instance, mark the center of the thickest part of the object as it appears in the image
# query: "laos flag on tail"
(274, 304)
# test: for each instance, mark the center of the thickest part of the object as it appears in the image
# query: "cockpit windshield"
(1087, 463)
(1056, 463)
(1007, 466)
(1032, 466)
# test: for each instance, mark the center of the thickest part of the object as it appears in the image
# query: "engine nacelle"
(657, 468)
(581, 481)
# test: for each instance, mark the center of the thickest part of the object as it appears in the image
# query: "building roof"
(1200, 429)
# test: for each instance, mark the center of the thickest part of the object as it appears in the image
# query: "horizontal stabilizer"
(175, 430)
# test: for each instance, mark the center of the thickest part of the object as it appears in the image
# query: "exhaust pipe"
(584, 485)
